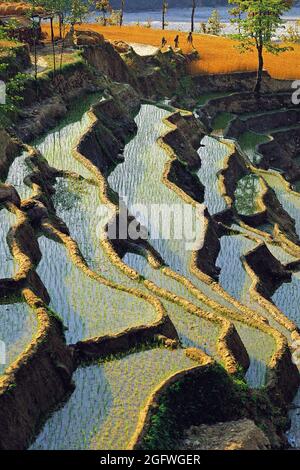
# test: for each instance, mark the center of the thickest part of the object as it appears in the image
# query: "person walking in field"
(190, 39)
(163, 42)
(176, 42)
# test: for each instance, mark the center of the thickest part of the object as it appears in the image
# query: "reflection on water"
(212, 156)
(289, 201)
(111, 397)
(139, 181)
(17, 173)
(18, 325)
(249, 142)
(233, 275)
(8, 266)
(234, 279)
(103, 411)
(287, 298)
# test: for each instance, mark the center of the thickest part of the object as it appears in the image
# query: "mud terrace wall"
(9, 147)
(241, 81)
(281, 152)
(47, 101)
(246, 102)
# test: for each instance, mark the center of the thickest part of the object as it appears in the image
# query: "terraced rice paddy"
(104, 409)
(233, 276)
(111, 397)
(221, 121)
(8, 265)
(287, 298)
(138, 181)
(17, 173)
(193, 331)
(247, 195)
(249, 142)
(91, 310)
(289, 201)
(212, 154)
(18, 325)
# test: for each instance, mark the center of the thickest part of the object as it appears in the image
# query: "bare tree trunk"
(259, 69)
(193, 16)
(163, 15)
(51, 29)
(62, 47)
(53, 45)
(122, 12)
(61, 22)
(35, 56)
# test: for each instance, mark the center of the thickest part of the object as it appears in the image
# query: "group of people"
(176, 41)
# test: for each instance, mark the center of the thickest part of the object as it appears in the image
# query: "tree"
(114, 18)
(62, 8)
(292, 33)
(122, 12)
(50, 8)
(104, 7)
(164, 11)
(214, 25)
(257, 23)
(77, 13)
(193, 16)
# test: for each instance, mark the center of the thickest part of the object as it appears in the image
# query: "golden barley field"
(217, 54)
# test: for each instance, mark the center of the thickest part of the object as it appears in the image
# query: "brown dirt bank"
(268, 269)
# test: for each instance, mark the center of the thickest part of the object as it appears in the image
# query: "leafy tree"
(257, 23)
(164, 11)
(114, 18)
(77, 13)
(104, 7)
(292, 33)
(14, 89)
(62, 8)
(214, 25)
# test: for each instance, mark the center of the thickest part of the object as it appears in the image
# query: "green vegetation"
(222, 120)
(14, 88)
(207, 397)
(247, 195)
(213, 25)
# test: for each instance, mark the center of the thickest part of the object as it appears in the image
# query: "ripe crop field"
(217, 54)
